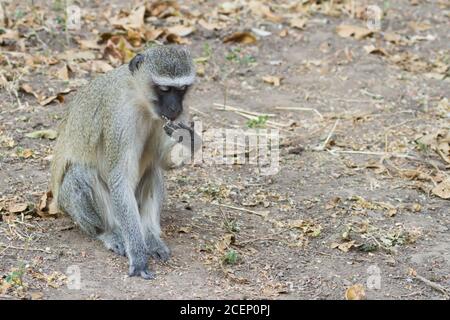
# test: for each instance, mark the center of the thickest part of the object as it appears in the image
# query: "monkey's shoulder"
(104, 91)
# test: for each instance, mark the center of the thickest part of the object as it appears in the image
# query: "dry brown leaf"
(36, 295)
(371, 49)
(59, 97)
(76, 55)
(394, 38)
(210, 26)
(100, 66)
(25, 87)
(134, 20)
(260, 9)
(181, 30)
(228, 8)
(358, 33)
(284, 33)
(225, 242)
(63, 73)
(118, 50)
(355, 292)
(438, 142)
(442, 190)
(174, 38)
(276, 81)
(241, 37)
(89, 44)
(17, 207)
(185, 229)
(344, 246)
(9, 34)
(162, 9)
(298, 23)
(45, 209)
(419, 26)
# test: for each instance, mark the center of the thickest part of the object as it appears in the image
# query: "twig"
(372, 95)
(269, 123)
(263, 214)
(236, 109)
(325, 143)
(301, 109)
(442, 155)
(375, 153)
(23, 248)
(433, 285)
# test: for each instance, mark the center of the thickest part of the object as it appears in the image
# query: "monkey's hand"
(157, 248)
(141, 271)
(170, 127)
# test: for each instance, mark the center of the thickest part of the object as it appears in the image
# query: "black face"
(170, 100)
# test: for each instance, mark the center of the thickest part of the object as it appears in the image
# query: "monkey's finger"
(182, 125)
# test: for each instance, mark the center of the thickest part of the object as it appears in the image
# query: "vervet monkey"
(113, 144)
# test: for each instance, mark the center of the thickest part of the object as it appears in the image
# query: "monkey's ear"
(134, 64)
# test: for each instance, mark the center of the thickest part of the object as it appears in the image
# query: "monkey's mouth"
(166, 118)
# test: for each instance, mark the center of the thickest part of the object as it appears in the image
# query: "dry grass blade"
(263, 214)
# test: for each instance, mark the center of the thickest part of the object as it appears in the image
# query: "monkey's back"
(87, 116)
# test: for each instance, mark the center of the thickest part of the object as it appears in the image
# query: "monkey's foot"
(159, 250)
(141, 272)
(113, 242)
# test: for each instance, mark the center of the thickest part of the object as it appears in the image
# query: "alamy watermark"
(374, 16)
(221, 146)
(73, 274)
(373, 281)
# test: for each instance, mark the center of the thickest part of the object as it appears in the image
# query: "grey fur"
(109, 156)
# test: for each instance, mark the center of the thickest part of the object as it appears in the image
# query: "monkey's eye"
(182, 88)
(163, 88)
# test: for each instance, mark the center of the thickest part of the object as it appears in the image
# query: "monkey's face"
(169, 105)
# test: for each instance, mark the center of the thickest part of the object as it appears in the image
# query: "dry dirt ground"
(354, 211)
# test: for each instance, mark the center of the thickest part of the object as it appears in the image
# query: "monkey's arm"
(121, 180)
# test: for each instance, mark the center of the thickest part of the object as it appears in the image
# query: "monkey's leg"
(150, 195)
(113, 241)
(82, 196)
(77, 198)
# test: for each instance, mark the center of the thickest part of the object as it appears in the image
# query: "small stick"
(375, 153)
(433, 285)
(263, 214)
(301, 109)
(442, 155)
(324, 145)
(22, 248)
(252, 113)
(273, 124)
